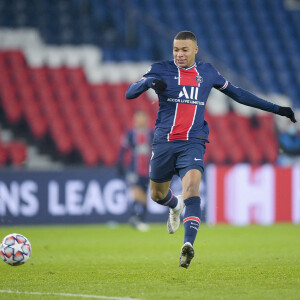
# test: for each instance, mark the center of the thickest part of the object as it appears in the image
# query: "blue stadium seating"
(258, 39)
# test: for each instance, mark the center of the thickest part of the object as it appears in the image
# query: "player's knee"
(157, 195)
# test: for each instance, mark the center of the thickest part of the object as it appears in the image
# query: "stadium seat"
(17, 153)
(81, 116)
(3, 155)
(256, 39)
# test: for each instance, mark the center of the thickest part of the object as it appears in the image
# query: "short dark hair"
(185, 35)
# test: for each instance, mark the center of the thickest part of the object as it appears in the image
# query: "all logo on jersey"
(199, 79)
(191, 94)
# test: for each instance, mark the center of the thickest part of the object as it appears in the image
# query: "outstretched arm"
(244, 97)
(139, 87)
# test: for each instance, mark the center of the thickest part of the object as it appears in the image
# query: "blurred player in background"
(183, 86)
(289, 145)
(139, 141)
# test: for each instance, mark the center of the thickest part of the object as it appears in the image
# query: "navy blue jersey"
(139, 141)
(182, 104)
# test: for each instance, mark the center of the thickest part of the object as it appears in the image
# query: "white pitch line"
(68, 295)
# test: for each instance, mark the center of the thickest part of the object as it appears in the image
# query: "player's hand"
(159, 86)
(287, 112)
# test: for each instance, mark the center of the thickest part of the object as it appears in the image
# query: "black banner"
(69, 196)
(72, 196)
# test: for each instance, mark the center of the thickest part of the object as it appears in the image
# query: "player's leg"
(159, 190)
(191, 219)
(161, 172)
(139, 208)
(191, 196)
(190, 164)
(139, 202)
(140, 197)
(161, 193)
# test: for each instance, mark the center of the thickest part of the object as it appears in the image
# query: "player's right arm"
(150, 80)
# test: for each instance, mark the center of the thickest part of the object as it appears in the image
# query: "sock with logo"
(170, 200)
(191, 219)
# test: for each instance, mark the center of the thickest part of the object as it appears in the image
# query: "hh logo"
(192, 94)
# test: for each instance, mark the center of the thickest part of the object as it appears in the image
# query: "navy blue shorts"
(176, 158)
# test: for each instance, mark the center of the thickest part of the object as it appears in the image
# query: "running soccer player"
(139, 141)
(181, 132)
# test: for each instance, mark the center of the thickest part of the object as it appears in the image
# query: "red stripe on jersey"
(142, 160)
(184, 113)
(192, 219)
(184, 119)
(143, 165)
(188, 77)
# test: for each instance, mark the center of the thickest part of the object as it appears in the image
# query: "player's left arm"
(244, 97)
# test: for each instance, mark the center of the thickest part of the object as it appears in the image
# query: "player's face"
(140, 120)
(184, 52)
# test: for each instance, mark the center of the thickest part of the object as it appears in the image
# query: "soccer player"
(180, 134)
(139, 141)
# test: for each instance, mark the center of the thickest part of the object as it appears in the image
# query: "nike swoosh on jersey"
(197, 159)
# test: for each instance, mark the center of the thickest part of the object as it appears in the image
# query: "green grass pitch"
(253, 262)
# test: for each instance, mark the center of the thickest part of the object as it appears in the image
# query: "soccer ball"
(15, 249)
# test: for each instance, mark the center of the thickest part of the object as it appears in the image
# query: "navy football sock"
(191, 219)
(139, 209)
(170, 200)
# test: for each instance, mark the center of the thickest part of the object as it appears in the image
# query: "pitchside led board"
(244, 194)
(70, 196)
(238, 195)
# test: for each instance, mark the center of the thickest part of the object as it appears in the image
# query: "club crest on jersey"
(199, 79)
